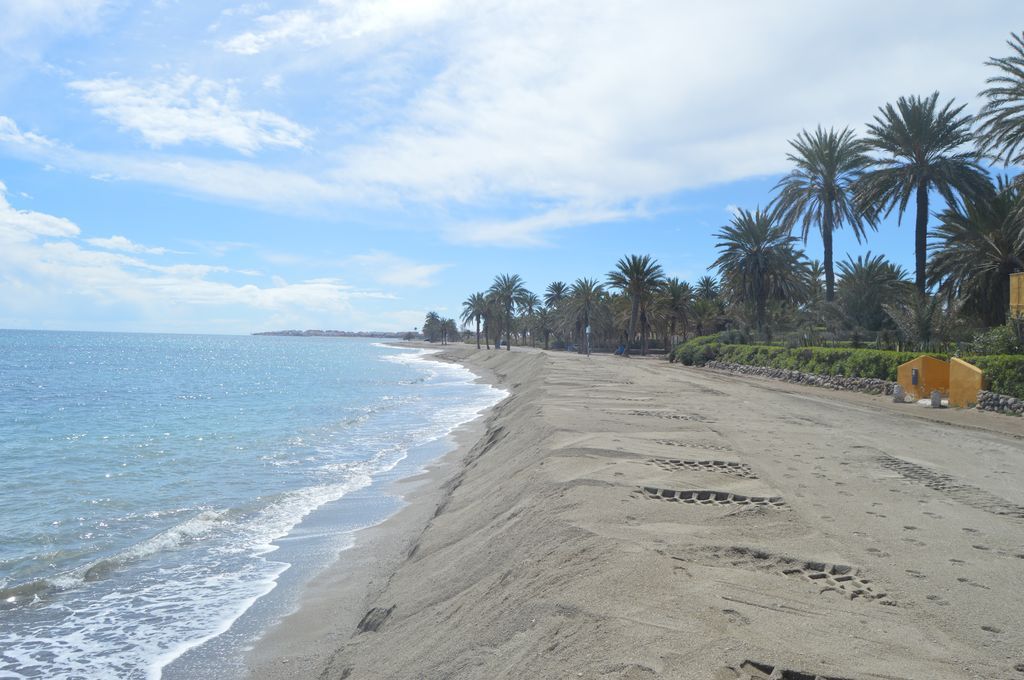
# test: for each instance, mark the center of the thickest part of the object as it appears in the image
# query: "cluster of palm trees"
(914, 149)
(439, 329)
(634, 303)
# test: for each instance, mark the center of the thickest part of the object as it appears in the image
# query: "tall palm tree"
(817, 190)
(474, 308)
(677, 300)
(585, 297)
(1002, 117)
(707, 288)
(635, 276)
(509, 291)
(759, 260)
(977, 247)
(922, 149)
(555, 293)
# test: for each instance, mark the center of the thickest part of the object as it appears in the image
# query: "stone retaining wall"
(1000, 403)
(834, 382)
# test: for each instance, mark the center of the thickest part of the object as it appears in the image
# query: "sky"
(226, 167)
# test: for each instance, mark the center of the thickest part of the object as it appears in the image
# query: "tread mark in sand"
(704, 497)
(669, 416)
(964, 493)
(836, 578)
(724, 466)
(693, 445)
(756, 670)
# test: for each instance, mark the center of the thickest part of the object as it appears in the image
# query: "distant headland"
(403, 335)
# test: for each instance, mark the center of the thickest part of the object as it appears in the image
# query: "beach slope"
(632, 519)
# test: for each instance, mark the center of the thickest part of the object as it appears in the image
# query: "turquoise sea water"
(145, 478)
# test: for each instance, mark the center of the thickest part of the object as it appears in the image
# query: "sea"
(164, 497)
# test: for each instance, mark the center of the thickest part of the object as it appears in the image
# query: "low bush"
(1004, 373)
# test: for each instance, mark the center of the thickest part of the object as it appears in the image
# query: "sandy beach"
(634, 519)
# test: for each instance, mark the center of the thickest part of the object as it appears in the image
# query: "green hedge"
(1003, 373)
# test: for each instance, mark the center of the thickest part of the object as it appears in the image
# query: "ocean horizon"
(150, 477)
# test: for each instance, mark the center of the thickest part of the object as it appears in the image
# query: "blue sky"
(229, 167)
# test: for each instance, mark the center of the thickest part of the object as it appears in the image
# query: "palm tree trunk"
(921, 234)
(632, 324)
(643, 333)
(760, 304)
(478, 332)
(508, 330)
(827, 228)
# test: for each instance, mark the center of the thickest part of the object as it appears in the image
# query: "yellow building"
(920, 376)
(964, 382)
(1017, 294)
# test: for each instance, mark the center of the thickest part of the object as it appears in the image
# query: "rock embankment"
(1000, 403)
(834, 382)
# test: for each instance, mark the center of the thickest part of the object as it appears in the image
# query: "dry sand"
(631, 519)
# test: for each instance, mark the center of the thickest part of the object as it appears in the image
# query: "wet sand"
(631, 519)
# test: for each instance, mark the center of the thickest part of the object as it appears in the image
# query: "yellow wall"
(1017, 293)
(933, 374)
(964, 382)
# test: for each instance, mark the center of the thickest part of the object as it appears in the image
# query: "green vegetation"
(1004, 373)
(768, 304)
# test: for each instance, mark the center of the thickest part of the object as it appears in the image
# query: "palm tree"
(817, 191)
(585, 296)
(677, 300)
(976, 249)
(474, 308)
(555, 293)
(922, 149)
(865, 286)
(924, 321)
(432, 326)
(1002, 117)
(509, 291)
(760, 262)
(707, 288)
(635, 276)
(705, 315)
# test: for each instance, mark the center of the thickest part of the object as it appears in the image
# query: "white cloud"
(43, 265)
(599, 104)
(189, 108)
(530, 231)
(580, 108)
(285, 190)
(26, 25)
(392, 270)
(124, 244)
(330, 21)
(20, 226)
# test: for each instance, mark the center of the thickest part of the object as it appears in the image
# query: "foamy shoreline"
(333, 598)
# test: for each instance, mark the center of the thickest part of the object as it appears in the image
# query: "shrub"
(1004, 374)
(999, 340)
